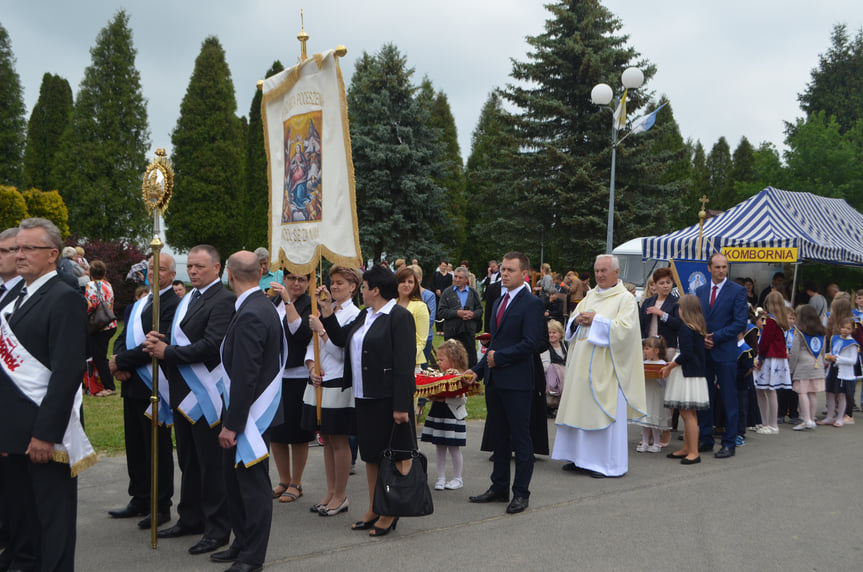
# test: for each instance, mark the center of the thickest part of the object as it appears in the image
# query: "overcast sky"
(731, 68)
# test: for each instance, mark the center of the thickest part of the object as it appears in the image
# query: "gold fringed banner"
(445, 386)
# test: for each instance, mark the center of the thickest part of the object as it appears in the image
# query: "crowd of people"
(267, 366)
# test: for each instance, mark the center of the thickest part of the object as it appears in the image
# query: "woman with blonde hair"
(772, 368)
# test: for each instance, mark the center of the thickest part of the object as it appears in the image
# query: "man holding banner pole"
(191, 364)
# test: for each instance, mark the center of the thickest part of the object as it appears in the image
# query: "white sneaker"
(440, 484)
(641, 447)
(774, 430)
(765, 430)
(654, 449)
(454, 484)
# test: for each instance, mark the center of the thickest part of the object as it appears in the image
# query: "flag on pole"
(620, 112)
(311, 173)
(645, 122)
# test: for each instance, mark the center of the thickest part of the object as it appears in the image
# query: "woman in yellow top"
(410, 298)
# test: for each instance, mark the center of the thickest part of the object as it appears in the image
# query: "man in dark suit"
(131, 364)
(252, 355)
(10, 284)
(43, 345)
(461, 312)
(725, 311)
(491, 290)
(199, 325)
(517, 331)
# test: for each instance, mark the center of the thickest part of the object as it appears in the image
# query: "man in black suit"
(517, 332)
(131, 364)
(491, 292)
(252, 356)
(199, 325)
(42, 342)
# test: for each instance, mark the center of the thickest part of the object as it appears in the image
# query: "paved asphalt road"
(785, 502)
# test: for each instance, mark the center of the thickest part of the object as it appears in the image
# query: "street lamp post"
(602, 94)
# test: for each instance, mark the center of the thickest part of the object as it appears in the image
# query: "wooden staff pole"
(319, 391)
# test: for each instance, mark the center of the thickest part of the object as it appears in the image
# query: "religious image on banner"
(305, 117)
(303, 186)
(689, 274)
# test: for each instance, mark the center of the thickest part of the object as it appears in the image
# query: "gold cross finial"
(703, 200)
(303, 37)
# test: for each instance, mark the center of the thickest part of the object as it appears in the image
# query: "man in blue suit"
(517, 331)
(725, 311)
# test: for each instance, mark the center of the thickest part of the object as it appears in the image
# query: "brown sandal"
(277, 493)
(291, 497)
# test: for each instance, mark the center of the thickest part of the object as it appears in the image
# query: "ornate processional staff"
(157, 188)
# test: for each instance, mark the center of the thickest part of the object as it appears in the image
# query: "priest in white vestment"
(604, 383)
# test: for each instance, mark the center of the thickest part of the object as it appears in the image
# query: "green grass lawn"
(103, 416)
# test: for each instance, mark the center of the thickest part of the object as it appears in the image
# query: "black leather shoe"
(724, 452)
(177, 531)
(518, 504)
(490, 496)
(243, 567)
(207, 545)
(705, 448)
(161, 518)
(685, 461)
(128, 511)
(229, 555)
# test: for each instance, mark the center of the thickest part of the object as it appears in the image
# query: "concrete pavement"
(784, 502)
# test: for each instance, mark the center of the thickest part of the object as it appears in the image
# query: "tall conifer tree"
(396, 157)
(561, 174)
(256, 198)
(208, 158)
(11, 115)
(102, 153)
(451, 232)
(49, 119)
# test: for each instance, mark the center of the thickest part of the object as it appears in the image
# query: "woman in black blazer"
(380, 354)
(658, 314)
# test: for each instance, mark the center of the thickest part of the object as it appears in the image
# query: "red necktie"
(713, 295)
(502, 308)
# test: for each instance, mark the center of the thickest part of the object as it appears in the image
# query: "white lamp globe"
(601, 94)
(632, 78)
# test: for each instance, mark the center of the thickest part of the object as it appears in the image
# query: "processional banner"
(311, 174)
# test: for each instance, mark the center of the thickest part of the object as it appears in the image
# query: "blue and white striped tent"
(822, 229)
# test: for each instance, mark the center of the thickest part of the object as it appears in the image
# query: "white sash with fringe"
(135, 336)
(32, 378)
(251, 447)
(204, 398)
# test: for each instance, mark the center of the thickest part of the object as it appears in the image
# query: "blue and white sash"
(813, 343)
(858, 315)
(742, 348)
(32, 378)
(838, 343)
(251, 447)
(204, 398)
(135, 336)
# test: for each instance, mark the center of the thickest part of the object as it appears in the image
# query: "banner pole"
(156, 245)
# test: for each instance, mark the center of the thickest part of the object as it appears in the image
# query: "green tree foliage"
(560, 175)
(823, 160)
(743, 170)
(118, 256)
(718, 164)
(769, 170)
(256, 198)
(837, 83)
(48, 205)
(49, 119)
(102, 154)
(654, 169)
(11, 115)
(208, 158)
(396, 155)
(488, 189)
(13, 208)
(450, 230)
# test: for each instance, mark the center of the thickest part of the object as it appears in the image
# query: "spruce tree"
(256, 197)
(48, 120)
(451, 229)
(208, 158)
(11, 114)
(719, 172)
(561, 173)
(102, 155)
(491, 201)
(743, 170)
(396, 155)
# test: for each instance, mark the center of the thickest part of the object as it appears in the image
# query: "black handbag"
(402, 495)
(101, 315)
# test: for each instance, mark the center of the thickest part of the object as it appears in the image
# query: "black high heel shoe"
(378, 531)
(364, 524)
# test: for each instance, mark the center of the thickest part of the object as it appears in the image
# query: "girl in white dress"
(657, 419)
